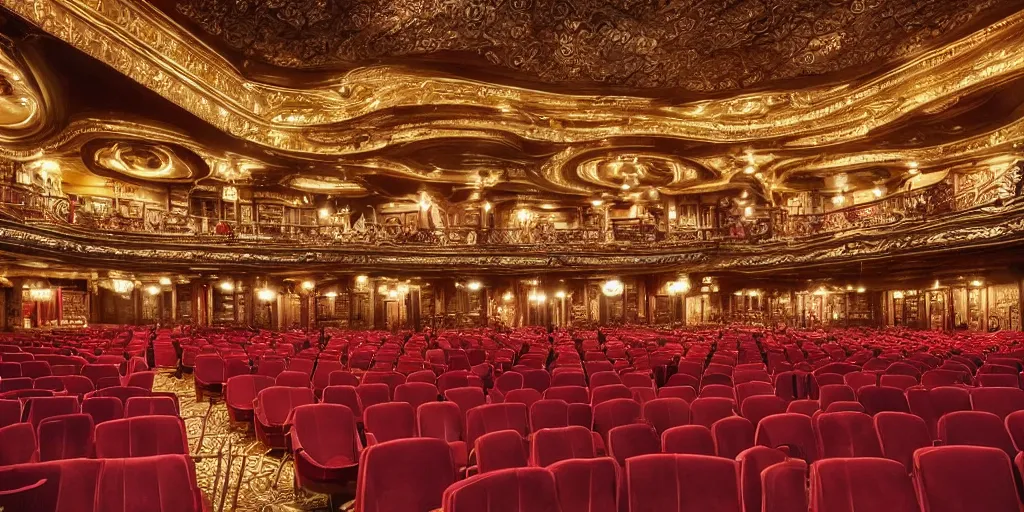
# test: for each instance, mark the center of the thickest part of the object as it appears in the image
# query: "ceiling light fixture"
(612, 288)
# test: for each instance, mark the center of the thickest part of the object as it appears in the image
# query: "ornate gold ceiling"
(690, 45)
(515, 101)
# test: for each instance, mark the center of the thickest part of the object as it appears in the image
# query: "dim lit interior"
(256, 209)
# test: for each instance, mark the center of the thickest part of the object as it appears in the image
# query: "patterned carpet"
(243, 464)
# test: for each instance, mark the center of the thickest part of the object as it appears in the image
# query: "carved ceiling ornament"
(25, 110)
(692, 45)
(335, 116)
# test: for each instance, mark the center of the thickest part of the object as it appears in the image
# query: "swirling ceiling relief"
(699, 46)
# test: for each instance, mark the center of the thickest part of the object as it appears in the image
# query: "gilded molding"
(145, 45)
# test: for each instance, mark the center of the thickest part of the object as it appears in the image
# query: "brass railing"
(24, 205)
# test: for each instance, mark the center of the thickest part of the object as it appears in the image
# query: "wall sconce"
(331, 294)
(165, 281)
(977, 283)
(560, 294)
(266, 295)
(122, 286)
(612, 288)
(474, 285)
(153, 289)
(227, 286)
(308, 285)
(507, 297)
(897, 294)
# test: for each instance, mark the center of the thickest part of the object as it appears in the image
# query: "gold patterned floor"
(250, 474)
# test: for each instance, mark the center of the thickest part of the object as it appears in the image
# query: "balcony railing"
(26, 206)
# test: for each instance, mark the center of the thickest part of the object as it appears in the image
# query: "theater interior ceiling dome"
(773, 110)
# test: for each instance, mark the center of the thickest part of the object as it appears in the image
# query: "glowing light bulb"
(474, 285)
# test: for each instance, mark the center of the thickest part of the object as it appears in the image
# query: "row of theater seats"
(421, 474)
(18, 379)
(55, 428)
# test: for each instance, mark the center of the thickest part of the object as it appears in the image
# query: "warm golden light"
(474, 285)
(596, 202)
(40, 294)
(362, 280)
(153, 290)
(266, 295)
(122, 286)
(393, 294)
(838, 199)
(977, 283)
(523, 215)
(861, 289)
(402, 289)
(750, 169)
(748, 211)
(897, 294)
(487, 206)
(612, 288)
(324, 213)
(331, 294)
(507, 297)
(165, 281)
(382, 289)
(308, 285)
(560, 294)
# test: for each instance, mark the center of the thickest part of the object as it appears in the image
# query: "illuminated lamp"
(977, 284)
(897, 294)
(122, 286)
(393, 294)
(362, 280)
(227, 286)
(474, 285)
(382, 289)
(308, 285)
(861, 289)
(612, 288)
(324, 213)
(560, 294)
(165, 281)
(266, 295)
(402, 289)
(40, 294)
(153, 290)
(331, 295)
(507, 297)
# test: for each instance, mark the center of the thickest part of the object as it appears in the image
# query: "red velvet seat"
(784, 487)
(859, 379)
(444, 420)
(683, 380)
(143, 380)
(965, 478)
(688, 439)
(932, 404)
(239, 393)
(897, 381)
(509, 490)
(551, 445)
(10, 412)
(525, 396)
(326, 459)
(271, 366)
(322, 374)
(35, 369)
(876, 399)
(900, 434)
(754, 388)
(66, 436)
(405, 475)
(861, 485)
(466, 397)
(427, 376)
(999, 380)
(627, 441)
(272, 408)
(148, 484)
(391, 379)
(40, 408)
(682, 483)
(570, 394)
(937, 378)
(373, 394)
(760, 406)
(122, 393)
(665, 413)
(604, 378)
(416, 393)
(390, 421)
(150, 405)
(613, 413)
(15, 384)
(103, 408)
(141, 436)
(706, 411)
(608, 392)
(998, 401)
(548, 413)
(536, 379)
(586, 485)
(732, 436)
(806, 407)
(504, 449)
(17, 445)
(835, 393)
(790, 430)
(293, 379)
(569, 379)
(10, 370)
(484, 419)
(975, 428)
(344, 395)
(451, 380)
(52, 383)
(77, 385)
(752, 462)
(846, 434)
(687, 393)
